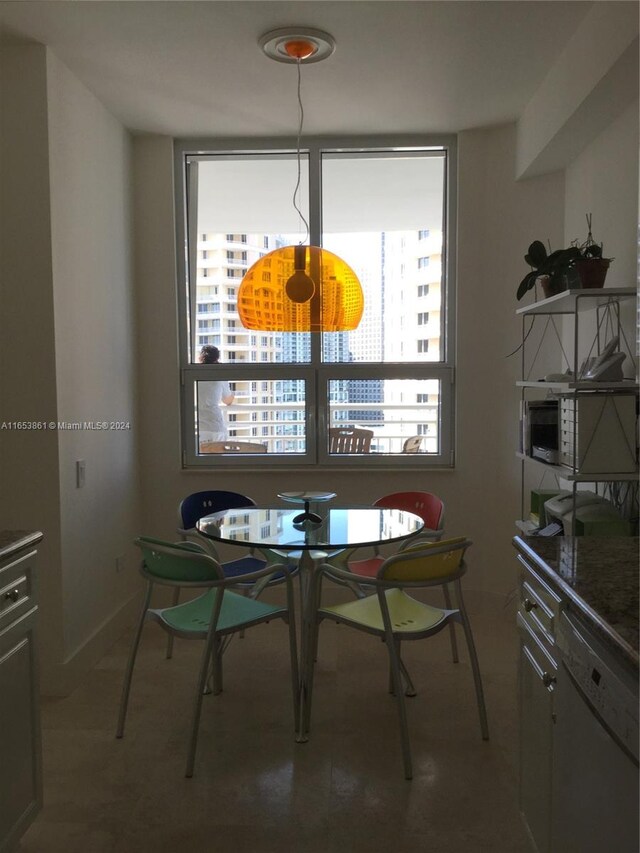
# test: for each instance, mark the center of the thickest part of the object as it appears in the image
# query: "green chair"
(196, 506)
(395, 616)
(213, 616)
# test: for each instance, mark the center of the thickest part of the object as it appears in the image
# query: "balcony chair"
(349, 440)
(412, 445)
(213, 616)
(395, 616)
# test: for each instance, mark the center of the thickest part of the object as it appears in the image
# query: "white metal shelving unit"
(571, 303)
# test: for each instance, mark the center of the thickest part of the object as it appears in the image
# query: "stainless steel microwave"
(540, 429)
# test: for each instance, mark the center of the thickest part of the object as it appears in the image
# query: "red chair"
(430, 509)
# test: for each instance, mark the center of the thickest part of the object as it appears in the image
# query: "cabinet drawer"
(539, 605)
(17, 593)
(539, 656)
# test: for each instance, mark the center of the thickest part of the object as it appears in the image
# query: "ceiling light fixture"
(300, 288)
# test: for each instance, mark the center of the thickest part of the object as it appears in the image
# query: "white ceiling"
(195, 68)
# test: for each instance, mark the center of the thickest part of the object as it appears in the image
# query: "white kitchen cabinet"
(578, 693)
(20, 752)
(537, 679)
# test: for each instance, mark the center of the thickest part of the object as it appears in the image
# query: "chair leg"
(175, 602)
(247, 593)
(208, 651)
(356, 589)
(477, 678)
(409, 689)
(295, 676)
(216, 659)
(402, 712)
(126, 687)
(452, 627)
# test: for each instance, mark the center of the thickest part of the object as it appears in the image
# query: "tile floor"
(255, 790)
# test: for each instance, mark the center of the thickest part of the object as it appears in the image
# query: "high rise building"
(400, 272)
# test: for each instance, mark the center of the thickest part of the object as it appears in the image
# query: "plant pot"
(592, 271)
(551, 286)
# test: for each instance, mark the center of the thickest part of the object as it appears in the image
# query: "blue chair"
(196, 506)
(213, 616)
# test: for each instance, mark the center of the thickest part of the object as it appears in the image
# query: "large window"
(385, 207)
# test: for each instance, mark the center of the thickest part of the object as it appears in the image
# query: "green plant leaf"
(527, 283)
(537, 254)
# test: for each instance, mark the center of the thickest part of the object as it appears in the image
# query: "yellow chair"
(396, 616)
(430, 508)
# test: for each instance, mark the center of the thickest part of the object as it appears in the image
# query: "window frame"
(316, 374)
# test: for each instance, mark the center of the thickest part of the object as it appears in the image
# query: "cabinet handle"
(548, 679)
(529, 605)
(12, 595)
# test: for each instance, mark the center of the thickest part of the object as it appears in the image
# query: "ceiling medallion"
(293, 44)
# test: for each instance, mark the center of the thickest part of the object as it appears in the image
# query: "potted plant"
(574, 267)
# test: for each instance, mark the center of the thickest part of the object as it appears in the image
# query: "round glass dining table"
(339, 530)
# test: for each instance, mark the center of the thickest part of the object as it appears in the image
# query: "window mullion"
(192, 250)
(315, 232)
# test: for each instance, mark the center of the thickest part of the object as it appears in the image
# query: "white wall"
(68, 333)
(593, 81)
(90, 179)
(603, 181)
(29, 496)
(497, 217)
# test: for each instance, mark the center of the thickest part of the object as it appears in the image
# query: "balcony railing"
(398, 423)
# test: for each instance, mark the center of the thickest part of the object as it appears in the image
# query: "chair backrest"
(428, 563)
(412, 445)
(232, 446)
(199, 504)
(349, 440)
(181, 563)
(429, 507)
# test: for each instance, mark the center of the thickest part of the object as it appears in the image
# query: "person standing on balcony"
(212, 425)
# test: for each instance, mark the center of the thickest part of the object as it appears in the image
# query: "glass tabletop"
(340, 527)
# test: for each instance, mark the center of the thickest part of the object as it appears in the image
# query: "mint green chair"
(213, 617)
(395, 616)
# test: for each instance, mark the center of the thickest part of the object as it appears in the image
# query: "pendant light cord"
(297, 189)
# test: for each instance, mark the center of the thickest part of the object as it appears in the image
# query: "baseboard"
(61, 679)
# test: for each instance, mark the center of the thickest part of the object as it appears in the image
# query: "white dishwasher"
(595, 747)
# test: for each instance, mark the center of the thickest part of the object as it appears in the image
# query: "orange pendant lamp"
(300, 288)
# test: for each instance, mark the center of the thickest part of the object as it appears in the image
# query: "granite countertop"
(600, 578)
(13, 540)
